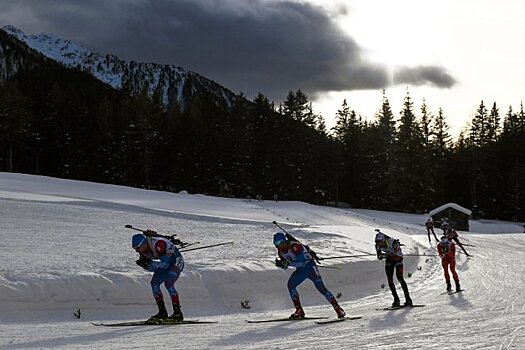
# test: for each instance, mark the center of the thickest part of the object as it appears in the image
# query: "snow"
(450, 205)
(64, 247)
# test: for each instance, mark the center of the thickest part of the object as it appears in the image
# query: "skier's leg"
(399, 276)
(172, 277)
(461, 246)
(316, 278)
(156, 280)
(296, 278)
(437, 240)
(455, 275)
(175, 270)
(389, 269)
(445, 264)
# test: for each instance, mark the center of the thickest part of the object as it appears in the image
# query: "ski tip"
(334, 320)
(285, 319)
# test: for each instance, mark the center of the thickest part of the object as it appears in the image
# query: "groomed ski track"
(489, 314)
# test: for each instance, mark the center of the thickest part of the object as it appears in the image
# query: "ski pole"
(185, 245)
(420, 255)
(207, 246)
(330, 267)
(346, 256)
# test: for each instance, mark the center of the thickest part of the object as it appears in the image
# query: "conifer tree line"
(63, 123)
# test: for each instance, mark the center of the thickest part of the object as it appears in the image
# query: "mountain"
(170, 83)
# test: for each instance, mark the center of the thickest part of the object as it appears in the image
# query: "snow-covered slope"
(64, 247)
(171, 82)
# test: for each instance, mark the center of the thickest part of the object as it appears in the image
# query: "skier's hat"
(380, 237)
(279, 238)
(138, 240)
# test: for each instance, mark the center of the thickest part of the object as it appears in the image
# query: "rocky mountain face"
(170, 83)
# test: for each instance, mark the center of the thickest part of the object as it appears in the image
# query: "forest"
(64, 123)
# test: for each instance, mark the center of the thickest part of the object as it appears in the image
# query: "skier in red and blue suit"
(160, 256)
(293, 253)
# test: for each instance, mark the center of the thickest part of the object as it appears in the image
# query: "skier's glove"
(143, 262)
(176, 241)
(381, 256)
(283, 264)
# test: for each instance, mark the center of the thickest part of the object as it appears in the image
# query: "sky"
(65, 248)
(448, 54)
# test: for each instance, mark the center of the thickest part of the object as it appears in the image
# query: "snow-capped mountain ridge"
(172, 83)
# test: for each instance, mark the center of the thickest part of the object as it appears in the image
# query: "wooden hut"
(457, 216)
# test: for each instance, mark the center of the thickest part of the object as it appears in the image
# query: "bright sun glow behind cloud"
(392, 32)
(476, 41)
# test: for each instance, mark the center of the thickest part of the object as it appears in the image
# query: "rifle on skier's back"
(313, 254)
(151, 233)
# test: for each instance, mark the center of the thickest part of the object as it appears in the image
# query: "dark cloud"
(246, 45)
(431, 75)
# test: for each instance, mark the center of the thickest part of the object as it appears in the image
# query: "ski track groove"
(489, 315)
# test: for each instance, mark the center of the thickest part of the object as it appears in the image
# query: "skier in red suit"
(447, 252)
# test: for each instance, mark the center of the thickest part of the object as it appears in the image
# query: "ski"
(400, 307)
(333, 320)
(284, 319)
(150, 323)
(452, 292)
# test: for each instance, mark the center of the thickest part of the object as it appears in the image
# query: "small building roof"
(450, 205)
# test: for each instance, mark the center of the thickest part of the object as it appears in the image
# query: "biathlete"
(447, 251)
(390, 249)
(293, 253)
(160, 256)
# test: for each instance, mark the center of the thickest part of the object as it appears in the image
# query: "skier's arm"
(440, 251)
(380, 253)
(162, 263)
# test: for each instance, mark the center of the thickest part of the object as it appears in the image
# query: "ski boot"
(396, 303)
(458, 287)
(408, 302)
(163, 313)
(299, 313)
(449, 287)
(340, 312)
(177, 313)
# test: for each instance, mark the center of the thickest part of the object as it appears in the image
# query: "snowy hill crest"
(172, 83)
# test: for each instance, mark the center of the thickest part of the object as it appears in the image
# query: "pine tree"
(298, 108)
(441, 149)
(14, 128)
(427, 157)
(379, 169)
(479, 127)
(410, 192)
(349, 133)
(493, 125)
